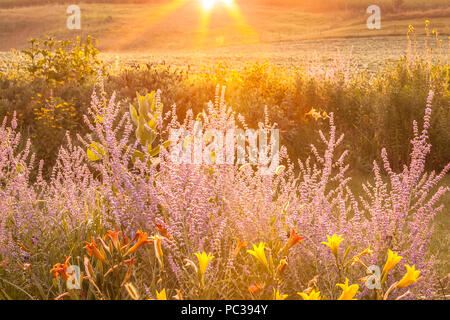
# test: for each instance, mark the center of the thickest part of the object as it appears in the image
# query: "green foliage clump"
(50, 85)
(58, 61)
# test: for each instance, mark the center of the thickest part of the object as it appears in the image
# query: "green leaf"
(95, 152)
(155, 151)
(133, 114)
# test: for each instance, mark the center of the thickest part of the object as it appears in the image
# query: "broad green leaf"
(133, 114)
(95, 152)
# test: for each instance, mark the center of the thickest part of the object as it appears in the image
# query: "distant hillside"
(310, 5)
(161, 25)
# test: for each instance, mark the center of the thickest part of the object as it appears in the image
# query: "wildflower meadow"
(125, 179)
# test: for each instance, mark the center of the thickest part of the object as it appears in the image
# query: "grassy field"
(269, 31)
(306, 65)
(440, 241)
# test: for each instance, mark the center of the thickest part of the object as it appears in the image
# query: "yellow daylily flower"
(411, 277)
(259, 253)
(313, 295)
(161, 295)
(391, 262)
(333, 243)
(203, 261)
(278, 296)
(348, 292)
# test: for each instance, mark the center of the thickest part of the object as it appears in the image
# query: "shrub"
(308, 231)
(375, 109)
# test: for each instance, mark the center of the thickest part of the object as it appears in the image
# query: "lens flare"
(228, 2)
(209, 4)
(239, 23)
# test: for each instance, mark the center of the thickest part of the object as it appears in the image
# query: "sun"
(208, 4)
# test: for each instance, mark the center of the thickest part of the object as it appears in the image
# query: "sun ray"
(244, 27)
(203, 27)
(250, 35)
(147, 20)
(208, 4)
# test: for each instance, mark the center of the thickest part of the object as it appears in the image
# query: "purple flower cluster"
(210, 207)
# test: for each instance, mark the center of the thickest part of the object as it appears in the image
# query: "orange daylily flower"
(61, 269)
(65, 294)
(178, 296)
(93, 250)
(294, 238)
(130, 262)
(356, 259)
(239, 245)
(114, 236)
(103, 244)
(256, 288)
(282, 266)
(162, 228)
(142, 238)
(23, 247)
(4, 263)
